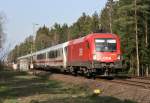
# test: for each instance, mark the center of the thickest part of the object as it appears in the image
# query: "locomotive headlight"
(118, 57)
(94, 57)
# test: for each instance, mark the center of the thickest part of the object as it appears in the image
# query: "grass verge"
(20, 87)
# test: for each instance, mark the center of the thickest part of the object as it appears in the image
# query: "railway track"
(142, 78)
(141, 84)
(138, 82)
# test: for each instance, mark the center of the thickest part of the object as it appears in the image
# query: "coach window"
(50, 54)
(55, 53)
(58, 52)
(41, 56)
(38, 56)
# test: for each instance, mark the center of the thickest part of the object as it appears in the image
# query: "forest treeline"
(2, 34)
(127, 18)
(2, 39)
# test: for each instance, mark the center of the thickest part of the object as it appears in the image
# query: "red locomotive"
(97, 53)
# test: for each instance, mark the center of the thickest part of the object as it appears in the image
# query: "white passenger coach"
(55, 56)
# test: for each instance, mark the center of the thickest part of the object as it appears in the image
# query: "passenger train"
(94, 54)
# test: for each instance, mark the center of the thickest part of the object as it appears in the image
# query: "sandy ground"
(108, 88)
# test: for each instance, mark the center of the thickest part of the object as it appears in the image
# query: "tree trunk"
(146, 42)
(136, 36)
(132, 65)
(68, 35)
(110, 16)
(147, 73)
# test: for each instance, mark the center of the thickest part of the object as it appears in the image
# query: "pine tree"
(95, 22)
(43, 38)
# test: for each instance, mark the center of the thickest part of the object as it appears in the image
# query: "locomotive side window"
(105, 45)
(87, 45)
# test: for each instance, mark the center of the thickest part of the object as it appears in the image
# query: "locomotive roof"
(103, 35)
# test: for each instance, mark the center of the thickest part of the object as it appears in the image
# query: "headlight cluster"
(94, 57)
(118, 57)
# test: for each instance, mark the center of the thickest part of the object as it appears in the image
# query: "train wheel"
(75, 69)
(93, 75)
(88, 73)
(71, 70)
(82, 73)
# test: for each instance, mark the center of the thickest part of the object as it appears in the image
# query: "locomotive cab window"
(105, 45)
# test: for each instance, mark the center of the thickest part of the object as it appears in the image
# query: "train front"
(106, 54)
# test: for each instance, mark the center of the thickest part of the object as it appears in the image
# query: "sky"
(21, 15)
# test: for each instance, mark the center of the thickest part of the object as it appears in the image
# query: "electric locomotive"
(94, 54)
(97, 53)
